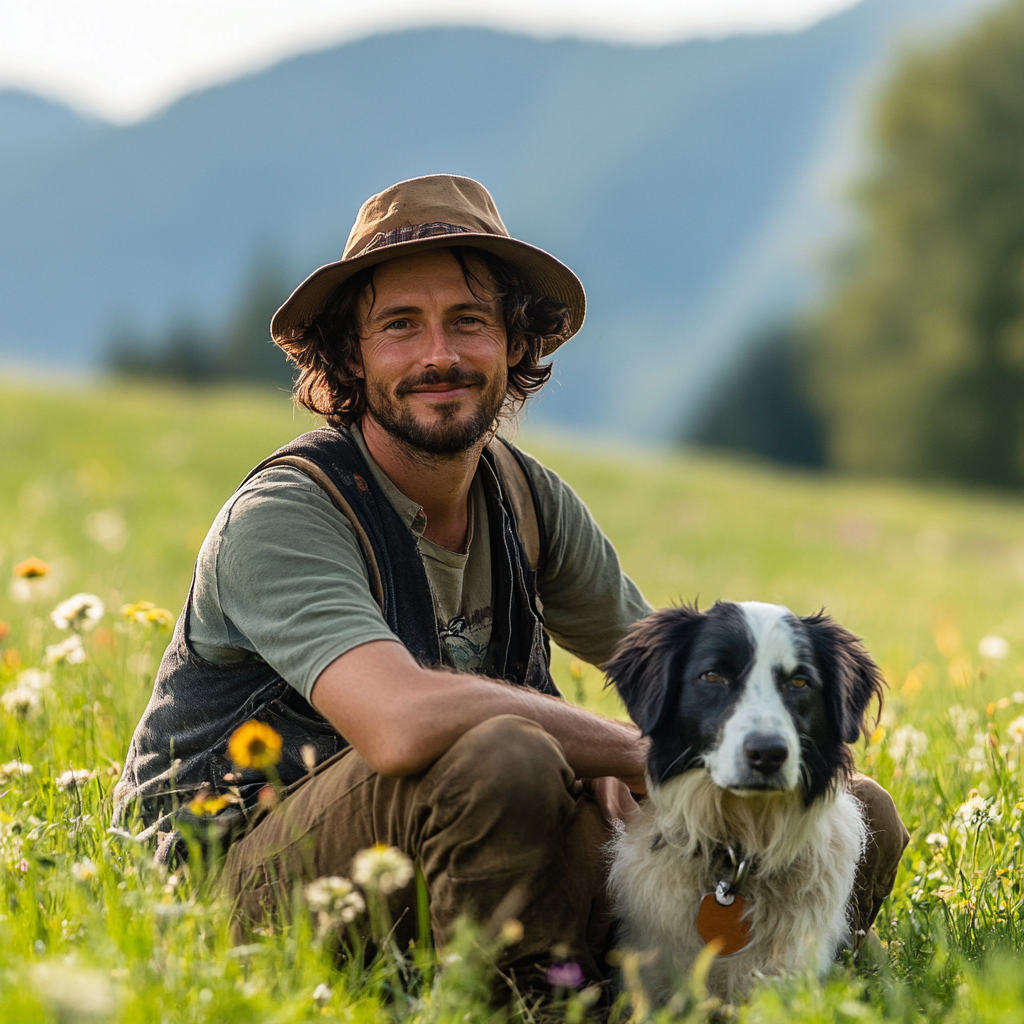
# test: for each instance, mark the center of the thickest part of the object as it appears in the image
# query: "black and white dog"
(749, 837)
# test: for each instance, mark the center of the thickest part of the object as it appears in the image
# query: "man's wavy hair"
(326, 350)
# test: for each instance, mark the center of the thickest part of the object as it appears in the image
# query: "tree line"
(913, 365)
(194, 352)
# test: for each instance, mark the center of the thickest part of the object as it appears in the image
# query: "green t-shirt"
(280, 576)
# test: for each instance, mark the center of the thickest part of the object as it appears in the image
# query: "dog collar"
(728, 889)
(720, 917)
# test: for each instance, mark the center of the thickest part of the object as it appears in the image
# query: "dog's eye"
(798, 682)
(712, 677)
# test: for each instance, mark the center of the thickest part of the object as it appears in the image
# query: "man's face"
(434, 355)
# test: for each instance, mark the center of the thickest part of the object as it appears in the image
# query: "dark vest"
(180, 744)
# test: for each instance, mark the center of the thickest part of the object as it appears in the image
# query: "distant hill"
(33, 127)
(677, 181)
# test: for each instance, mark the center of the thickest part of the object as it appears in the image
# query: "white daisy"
(993, 647)
(81, 611)
(906, 745)
(381, 867)
(961, 719)
(14, 770)
(976, 758)
(73, 778)
(34, 678)
(1015, 730)
(335, 898)
(22, 701)
(71, 651)
(976, 812)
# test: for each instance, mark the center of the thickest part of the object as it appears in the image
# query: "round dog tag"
(723, 922)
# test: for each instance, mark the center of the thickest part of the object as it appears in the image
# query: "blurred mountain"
(31, 126)
(690, 186)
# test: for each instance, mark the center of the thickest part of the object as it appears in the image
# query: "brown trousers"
(497, 833)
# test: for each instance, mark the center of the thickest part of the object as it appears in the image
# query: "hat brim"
(542, 272)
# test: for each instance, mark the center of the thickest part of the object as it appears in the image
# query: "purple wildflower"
(568, 974)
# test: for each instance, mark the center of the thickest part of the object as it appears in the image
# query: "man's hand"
(612, 796)
(402, 717)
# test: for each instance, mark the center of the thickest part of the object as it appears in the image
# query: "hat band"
(411, 232)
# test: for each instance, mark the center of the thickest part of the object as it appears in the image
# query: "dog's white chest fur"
(797, 893)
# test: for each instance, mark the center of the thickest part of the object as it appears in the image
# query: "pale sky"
(124, 59)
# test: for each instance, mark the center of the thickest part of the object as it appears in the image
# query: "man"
(381, 592)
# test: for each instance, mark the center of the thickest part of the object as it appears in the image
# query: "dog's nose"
(765, 753)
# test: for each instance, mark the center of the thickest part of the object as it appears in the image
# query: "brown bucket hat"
(431, 212)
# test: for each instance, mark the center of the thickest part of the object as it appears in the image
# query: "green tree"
(760, 407)
(247, 352)
(192, 352)
(918, 361)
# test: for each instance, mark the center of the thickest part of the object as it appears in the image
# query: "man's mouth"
(443, 390)
(438, 389)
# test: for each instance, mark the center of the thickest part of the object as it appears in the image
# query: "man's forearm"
(593, 745)
(402, 717)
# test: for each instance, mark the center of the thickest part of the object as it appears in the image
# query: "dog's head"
(759, 697)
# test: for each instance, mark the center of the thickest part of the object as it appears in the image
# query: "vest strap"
(520, 495)
(319, 477)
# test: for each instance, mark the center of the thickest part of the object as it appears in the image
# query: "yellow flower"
(31, 568)
(147, 613)
(254, 745)
(207, 803)
(137, 608)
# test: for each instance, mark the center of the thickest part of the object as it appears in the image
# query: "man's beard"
(448, 434)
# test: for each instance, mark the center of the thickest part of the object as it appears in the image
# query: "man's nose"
(438, 348)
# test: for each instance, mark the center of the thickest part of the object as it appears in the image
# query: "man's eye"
(712, 677)
(798, 682)
(469, 320)
(398, 325)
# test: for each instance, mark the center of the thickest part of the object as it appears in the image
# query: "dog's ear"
(642, 667)
(851, 677)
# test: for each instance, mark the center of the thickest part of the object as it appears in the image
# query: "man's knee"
(886, 841)
(507, 765)
(886, 832)
(501, 806)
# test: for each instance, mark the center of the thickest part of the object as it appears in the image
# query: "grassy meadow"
(114, 489)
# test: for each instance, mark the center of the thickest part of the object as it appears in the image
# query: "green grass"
(922, 575)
